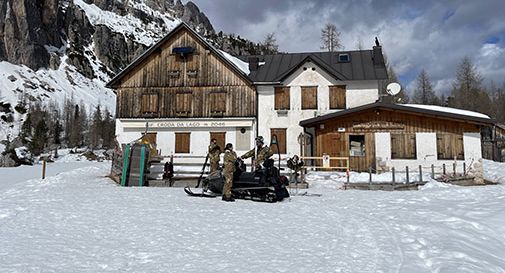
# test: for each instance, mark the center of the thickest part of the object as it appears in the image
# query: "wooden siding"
(200, 75)
(332, 137)
(309, 97)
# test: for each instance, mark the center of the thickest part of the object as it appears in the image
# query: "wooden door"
(362, 160)
(220, 137)
(151, 137)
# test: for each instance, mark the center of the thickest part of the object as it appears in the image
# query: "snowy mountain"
(55, 49)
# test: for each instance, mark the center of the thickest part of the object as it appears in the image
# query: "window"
(220, 137)
(357, 145)
(309, 97)
(149, 103)
(337, 97)
(403, 146)
(182, 143)
(174, 74)
(217, 101)
(450, 146)
(344, 58)
(281, 98)
(184, 102)
(151, 137)
(281, 140)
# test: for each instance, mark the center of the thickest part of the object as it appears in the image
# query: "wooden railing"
(343, 167)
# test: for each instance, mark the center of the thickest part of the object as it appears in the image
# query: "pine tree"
(96, 130)
(423, 94)
(468, 92)
(330, 38)
(109, 130)
(26, 129)
(39, 140)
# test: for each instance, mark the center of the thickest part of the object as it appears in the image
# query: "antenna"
(393, 88)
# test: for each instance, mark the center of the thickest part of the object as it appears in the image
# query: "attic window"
(174, 73)
(344, 58)
(183, 51)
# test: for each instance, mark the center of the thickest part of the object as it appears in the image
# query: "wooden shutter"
(220, 137)
(337, 97)
(151, 137)
(309, 97)
(403, 146)
(281, 140)
(217, 102)
(281, 95)
(450, 146)
(184, 102)
(149, 103)
(182, 143)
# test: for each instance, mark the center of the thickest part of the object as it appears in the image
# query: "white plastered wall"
(426, 151)
(358, 93)
(165, 138)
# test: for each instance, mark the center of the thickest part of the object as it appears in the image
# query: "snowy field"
(79, 221)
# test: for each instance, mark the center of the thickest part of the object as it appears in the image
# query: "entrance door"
(220, 137)
(361, 151)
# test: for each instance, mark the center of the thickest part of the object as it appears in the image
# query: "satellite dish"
(393, 88)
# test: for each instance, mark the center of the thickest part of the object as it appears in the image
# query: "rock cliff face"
(37, 33)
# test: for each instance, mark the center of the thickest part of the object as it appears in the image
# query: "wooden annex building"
(382, 135)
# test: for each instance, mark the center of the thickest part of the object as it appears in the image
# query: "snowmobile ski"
(189, 192)
(203, 171)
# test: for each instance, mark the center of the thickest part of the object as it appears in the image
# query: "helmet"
(259, 139)
(228, 146)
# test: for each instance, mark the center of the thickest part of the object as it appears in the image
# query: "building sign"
(326, 161)
(378, 125)
(187, 124)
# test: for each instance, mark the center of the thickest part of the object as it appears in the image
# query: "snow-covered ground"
(79, 221)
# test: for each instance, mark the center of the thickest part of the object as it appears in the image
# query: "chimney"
(377, 57)
(253, 63)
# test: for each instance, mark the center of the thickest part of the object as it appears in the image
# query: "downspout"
(311, 141)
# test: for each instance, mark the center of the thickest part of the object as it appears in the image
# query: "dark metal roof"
(396, 107)
(114, 81)
(279, 66)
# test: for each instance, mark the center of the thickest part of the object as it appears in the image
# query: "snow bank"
(494, 171)
(241, 65)
(79, 221)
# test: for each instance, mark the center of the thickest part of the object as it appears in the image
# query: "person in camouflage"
(263, 153)
(295, 164)
(229, 168)
(214, 152)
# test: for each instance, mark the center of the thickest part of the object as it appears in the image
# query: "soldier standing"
(229, 168)
(214, 152)
(263, 153)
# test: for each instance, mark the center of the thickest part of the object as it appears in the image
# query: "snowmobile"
(265, 184)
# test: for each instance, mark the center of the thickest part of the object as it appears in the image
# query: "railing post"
(432, 171)
(394, 177)
(369, 178)
(44, 169)
(454, 169)
(464, 168)
(443, 168)
(407, 174)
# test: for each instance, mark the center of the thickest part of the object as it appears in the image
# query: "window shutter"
(309, 97)
(403, 146)
(220, 137)
(149, 103)
(182, 143)
(184, 102)
(337, 97)
(281, 95)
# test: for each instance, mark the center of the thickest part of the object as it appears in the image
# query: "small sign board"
(341, 129)
(326, 161)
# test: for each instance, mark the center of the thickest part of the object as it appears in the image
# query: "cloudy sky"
(434, 35)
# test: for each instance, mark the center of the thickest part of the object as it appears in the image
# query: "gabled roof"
(439, 112)
(113, 82)
(279, 66)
